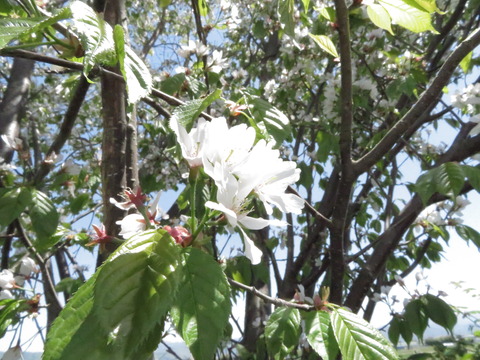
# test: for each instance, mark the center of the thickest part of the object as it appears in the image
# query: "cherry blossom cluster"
(15, 278)
(240, 168)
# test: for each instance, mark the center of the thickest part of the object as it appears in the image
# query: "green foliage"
(9, 310)
(447, 179)
(202, 307)
(409, 15)
(380, 17)
(282, 332)
(186, 114)
(320, 336)
(286, 9)
(468, 234)
(439, 312)
(123, 305)
(12, 203)
(268, 119)
(325, 43)
(44, 218)
(358, 339)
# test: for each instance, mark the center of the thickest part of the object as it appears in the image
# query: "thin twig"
(269, 299)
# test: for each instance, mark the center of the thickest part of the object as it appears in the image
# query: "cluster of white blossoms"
(15, 278)
(469, 101)
(240, 169)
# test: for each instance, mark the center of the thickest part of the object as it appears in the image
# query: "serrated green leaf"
(135, 72)
(96, 36)
(12, 204)
(380, 17)
(282, 331)
(416, 317)
(439, 312)
(467, 233)
(202, 308)
(44, 218)
(320, 335)
(269, 120)
(286, 9)
(120, 311)
(408, 16)
(447, 179)
(357, 339)
(135, 290)
(325, 44)
(186, 114)
(66, 325)
(11, 29)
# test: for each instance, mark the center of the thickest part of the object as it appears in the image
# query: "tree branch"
(429, 97)
(269, 299)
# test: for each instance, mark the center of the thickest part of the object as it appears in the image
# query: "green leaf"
(44, 218)
(15, 28)
(429, 6)
(439, 312)
(9, 313)
(203, 7)
(465, 63)
(96, 36)
(268, 119)
(467, 233)
(325, 44)
(306, 5)
(173, 84)
(394, 330)
(68, 285)
(416, 317)
(408, 16)
(286, 9)
(320, 335)
(11, 29)
(120, 311)
(328, 12)
(134, 291)
(67, 325)
(135, 72)
(202, 307)
(473, 176)
(186, 114)
(12, 203)
(447, 179)
(282, 332)
(380, 17)
(358, 339)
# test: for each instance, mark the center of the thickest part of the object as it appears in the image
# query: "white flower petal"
(253, 253)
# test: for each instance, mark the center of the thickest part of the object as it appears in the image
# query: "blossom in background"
(7, 280)
(215, 62)
(27, 266)
(100, 237)
(5, 294)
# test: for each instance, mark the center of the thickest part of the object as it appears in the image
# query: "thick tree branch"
(65, 129)
(429, 97)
